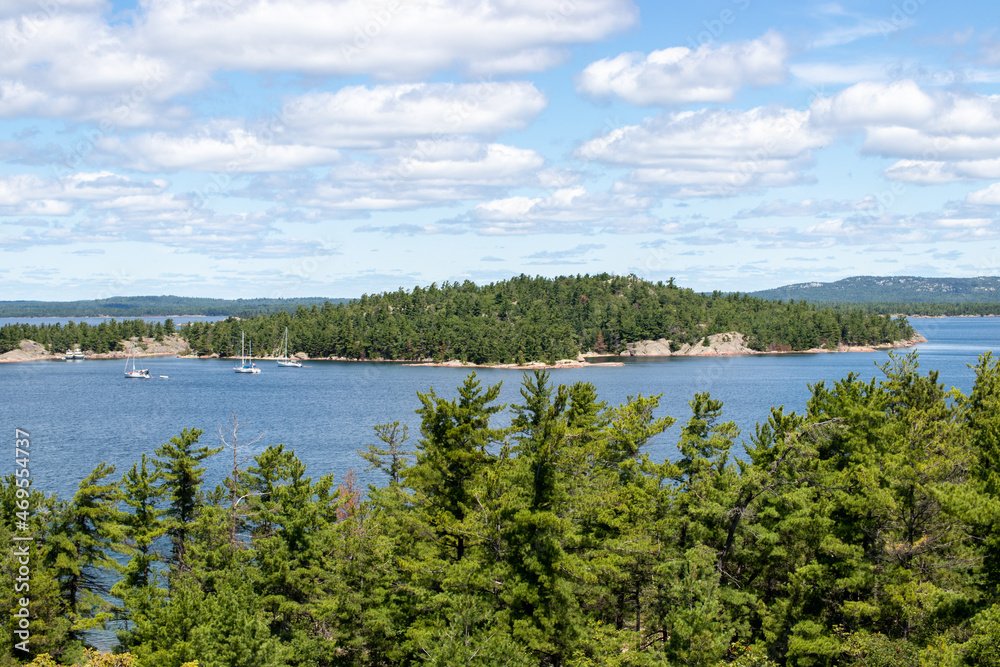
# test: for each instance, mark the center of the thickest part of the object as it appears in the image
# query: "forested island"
(865, 531)
(524, 319)
(543, 319)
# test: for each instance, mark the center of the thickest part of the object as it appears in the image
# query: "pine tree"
(178, 467)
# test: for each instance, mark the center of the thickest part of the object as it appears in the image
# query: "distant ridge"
(891, 289)
(140, 306)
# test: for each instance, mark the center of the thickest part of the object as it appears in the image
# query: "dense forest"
(543, 319)
(104, 337)
(151, 306)
(865, 531)
(892, 289)
(919, 309)
(513, 321)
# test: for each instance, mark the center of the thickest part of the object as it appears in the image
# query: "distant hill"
(891, 289)
(140, 306)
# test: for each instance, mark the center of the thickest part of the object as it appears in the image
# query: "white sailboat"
(135, 372)
(284, 360)
(246, 365)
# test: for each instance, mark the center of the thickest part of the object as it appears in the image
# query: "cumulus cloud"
(197, 230)
(561, 211)
(940, 136)
(875, 103)
(369, 116)
(713, 152)
(68, 62)
(680, 75)
(988, 196)
(311, 130)
(391, 39)
(73, 63)
(33, 195)
(231, 151)
(411, 176)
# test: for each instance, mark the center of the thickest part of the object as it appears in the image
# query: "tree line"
(920, 309)
(151, 306)
(540, 319)
(105, 337)
(865, 531)
(898, 289)
(514, 321)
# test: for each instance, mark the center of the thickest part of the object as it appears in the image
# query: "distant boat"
(246, 365)
(134, 372)
(77, 354)
(69, 355)
(284, 360)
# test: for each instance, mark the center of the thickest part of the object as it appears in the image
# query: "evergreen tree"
(178, 467)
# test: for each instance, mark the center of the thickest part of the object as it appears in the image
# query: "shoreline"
(29, 352)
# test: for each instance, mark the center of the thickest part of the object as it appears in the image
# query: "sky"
(292, 148)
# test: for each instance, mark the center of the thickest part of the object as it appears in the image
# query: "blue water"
(82, 413)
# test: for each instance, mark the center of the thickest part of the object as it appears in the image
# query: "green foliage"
(178, 467)
(857, 533)
(152, 306)
(894, 290)
(540, 319)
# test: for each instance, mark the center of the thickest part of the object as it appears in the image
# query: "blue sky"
(280, 148)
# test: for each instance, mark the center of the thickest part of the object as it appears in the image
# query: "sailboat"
(246, 365)
(135, 373)
(283, 360)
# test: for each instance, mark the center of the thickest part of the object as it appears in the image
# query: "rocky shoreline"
(579, 362)
(29, 350)
(717, 345)
(733, 344)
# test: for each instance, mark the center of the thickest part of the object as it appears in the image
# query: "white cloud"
(941, 136)
(936, 172)
(32, 195)
(233, 151)
(362, 116)
(873, 103)
(679, 75)
(988, 196)
(565, 210)
(391, 39)
(424, 173)
(807, 207)
(310, 128)
(238, 235)
(74, 65)
(713, 152)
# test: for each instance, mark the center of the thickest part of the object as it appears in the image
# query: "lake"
(82, 413)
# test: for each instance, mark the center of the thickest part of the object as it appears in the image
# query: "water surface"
(82, 413)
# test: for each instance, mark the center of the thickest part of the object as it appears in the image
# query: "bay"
(80, 414)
